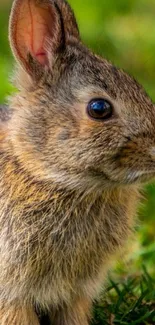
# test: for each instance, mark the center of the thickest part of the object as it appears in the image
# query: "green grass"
(129, 300)
(124, 32)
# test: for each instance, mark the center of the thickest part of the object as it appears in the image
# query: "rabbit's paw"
(13, 315)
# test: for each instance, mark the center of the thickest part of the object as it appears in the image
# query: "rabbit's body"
(74, 144)
(57, 245)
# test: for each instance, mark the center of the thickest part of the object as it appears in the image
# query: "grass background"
(123, 32)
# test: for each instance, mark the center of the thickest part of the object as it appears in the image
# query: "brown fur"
(68, 184)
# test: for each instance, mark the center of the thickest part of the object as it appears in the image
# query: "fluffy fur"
(68, 184)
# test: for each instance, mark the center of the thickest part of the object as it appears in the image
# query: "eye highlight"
(99, 109)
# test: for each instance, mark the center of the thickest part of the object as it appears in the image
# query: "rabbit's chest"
(77, 243)
(58, 255)
(76, 256)
(80, 244)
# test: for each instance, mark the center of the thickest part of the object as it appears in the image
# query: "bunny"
(77, 142)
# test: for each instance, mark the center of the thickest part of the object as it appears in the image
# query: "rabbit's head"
(78, 120)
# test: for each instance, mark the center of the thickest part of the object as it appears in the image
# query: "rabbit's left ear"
(39, 29)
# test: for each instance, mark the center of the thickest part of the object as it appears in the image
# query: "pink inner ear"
(34, 25)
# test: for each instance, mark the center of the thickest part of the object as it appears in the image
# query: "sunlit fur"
(68, 184)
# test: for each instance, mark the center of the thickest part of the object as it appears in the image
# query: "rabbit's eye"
(99, 109)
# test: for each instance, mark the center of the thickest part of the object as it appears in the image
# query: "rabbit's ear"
(68, 18)
(39, 28)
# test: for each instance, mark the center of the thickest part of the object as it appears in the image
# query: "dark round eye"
(99, 109)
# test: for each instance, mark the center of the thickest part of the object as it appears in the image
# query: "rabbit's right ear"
(39, 29)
